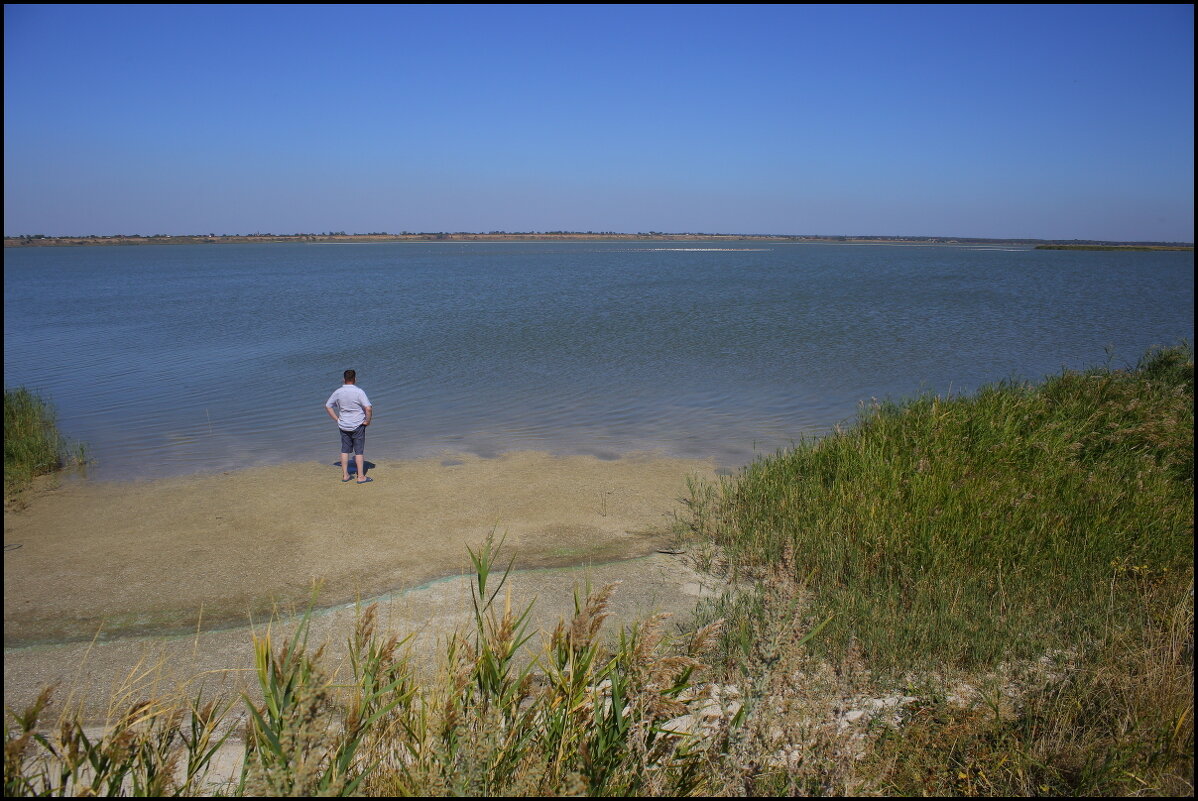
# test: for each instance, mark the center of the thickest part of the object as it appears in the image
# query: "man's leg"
(359, 450)
(347, 447)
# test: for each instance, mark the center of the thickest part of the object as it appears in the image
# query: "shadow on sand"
(367, 466)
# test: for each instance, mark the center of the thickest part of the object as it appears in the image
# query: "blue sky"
(1054, 122)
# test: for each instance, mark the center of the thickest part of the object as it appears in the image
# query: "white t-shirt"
(350, 404)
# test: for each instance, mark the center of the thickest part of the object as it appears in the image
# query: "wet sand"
(174, 570)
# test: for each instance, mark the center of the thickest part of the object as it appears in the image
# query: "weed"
(588, 714)
(33, 445)
(960, 535)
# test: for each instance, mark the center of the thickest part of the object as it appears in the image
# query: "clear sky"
(1052, 122)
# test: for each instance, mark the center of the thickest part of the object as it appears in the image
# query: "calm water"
(179, 359)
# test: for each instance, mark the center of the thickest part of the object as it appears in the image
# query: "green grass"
(968, 530)
(964, 536)
(33, 445)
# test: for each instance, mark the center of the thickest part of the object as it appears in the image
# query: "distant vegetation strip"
(1114, 247)
(39, 240)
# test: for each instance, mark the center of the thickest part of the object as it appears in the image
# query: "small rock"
(683, 724)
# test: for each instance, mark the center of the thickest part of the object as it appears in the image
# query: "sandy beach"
(178, 572)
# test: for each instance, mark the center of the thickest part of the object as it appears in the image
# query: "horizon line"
(639, 234)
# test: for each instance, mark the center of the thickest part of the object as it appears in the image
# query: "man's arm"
(332, 414)
(369, 411)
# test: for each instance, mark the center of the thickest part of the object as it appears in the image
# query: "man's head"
(350, 376)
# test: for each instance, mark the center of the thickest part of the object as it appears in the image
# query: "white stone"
(683, 724)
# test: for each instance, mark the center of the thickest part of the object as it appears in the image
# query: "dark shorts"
(353, 441)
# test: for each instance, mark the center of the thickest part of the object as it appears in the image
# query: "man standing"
(350, 409)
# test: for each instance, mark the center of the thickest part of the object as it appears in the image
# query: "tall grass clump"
(33, 445)
(583, 714)
(1042, 531)
(586, 717)
(967, 530)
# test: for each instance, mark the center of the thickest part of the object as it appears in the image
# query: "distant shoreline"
(1114, 247)
(338, 238)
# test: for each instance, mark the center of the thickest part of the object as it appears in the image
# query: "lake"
(178, 359)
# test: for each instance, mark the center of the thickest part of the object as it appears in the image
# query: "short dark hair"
(350, 376)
